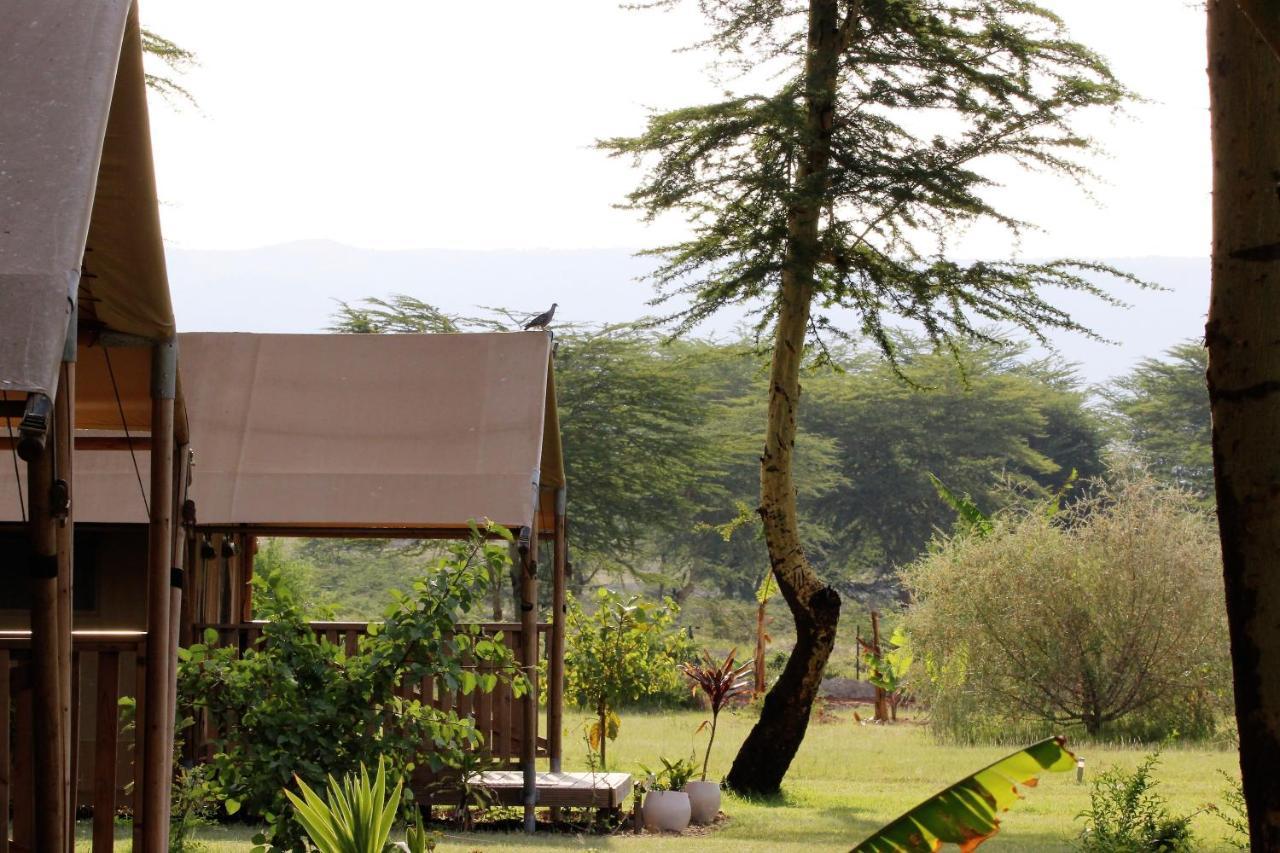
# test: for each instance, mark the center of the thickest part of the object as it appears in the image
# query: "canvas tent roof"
(77, 190)
(412, 433)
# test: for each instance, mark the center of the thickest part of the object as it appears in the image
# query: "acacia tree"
(1162, 412)
(835, 189)
(1244, 378)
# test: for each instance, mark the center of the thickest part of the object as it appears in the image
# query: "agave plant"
(720, 683)
(356, 817)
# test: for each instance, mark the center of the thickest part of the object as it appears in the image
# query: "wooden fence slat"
(106, 737)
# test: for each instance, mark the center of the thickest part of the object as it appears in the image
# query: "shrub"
(627, 650)
(1106, 614)
(296, 704)
(1126, 815)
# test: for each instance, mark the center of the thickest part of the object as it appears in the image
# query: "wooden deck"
(584, 790)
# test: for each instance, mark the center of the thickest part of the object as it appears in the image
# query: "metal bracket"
(34, 427)
(164, 370)
(60, 499)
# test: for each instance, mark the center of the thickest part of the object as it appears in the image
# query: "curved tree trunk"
(766, 754)
(1244, 388)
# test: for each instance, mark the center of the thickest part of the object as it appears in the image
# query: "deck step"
(584, 790)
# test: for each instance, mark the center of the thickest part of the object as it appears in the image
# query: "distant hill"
(293, 288)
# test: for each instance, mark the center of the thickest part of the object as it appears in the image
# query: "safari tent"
(398, 436)
(87, 349)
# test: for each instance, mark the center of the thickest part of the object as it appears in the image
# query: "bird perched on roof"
(543, 319)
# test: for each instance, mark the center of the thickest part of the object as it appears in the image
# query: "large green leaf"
(966, 814)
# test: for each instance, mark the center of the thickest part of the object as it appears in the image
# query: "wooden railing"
(107, 655)
(497, 715)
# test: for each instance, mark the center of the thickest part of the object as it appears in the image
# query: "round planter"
(666, 811)
(704, 801)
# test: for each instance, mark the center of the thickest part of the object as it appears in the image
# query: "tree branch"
(1265, 17)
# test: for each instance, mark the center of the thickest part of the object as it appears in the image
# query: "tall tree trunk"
(766, 754)
(1244, 388)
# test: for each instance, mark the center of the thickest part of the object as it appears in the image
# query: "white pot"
(666, 811)
(704, 801)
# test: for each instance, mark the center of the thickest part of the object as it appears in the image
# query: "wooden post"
(50, 765)
(882, 711)
(177, 554)
(158, 716)
(555, 670)
(64, 429)
(528, 548)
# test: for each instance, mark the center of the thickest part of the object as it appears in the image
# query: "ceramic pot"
(704, 801)
(666, 811)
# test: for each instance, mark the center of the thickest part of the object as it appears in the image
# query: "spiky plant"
(356, 816)
(720, 682)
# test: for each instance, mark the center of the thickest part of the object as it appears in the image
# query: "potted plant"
(719, 683)
(666, 806)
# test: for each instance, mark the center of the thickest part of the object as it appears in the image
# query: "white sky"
(445, 124)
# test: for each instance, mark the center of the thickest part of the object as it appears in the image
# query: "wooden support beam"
(63, 430)
(96, 442)
(528, 549)
(49, 739)
(157, 715)
(177, 554)
(555, 668)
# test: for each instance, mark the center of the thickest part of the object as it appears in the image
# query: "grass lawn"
(846, 781)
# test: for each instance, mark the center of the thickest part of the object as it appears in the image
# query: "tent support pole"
(157, 716)
(529, 662)
(177, 562)
(555, 670)
(64, 429)
(50, 740)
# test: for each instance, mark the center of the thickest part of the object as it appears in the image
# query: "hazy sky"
(445, 124)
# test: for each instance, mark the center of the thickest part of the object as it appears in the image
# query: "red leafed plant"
(720, 682)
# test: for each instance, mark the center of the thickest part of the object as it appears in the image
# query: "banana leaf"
(966, 814)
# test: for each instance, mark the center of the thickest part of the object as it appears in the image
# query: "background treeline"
(661, 449)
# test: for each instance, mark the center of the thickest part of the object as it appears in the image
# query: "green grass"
(846, 781)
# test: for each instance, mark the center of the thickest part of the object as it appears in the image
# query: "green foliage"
(173, 56)
(1161, 410)
(299, 705)
(1127, 815)
(970, 519)
(1235, 813)
(994, 82)
(1107, 614)
(967, 813)
(193, 804)
(356, 815)
(673, 776)
(276, 566)
(661, 443)
(626, 651)
(888, 669)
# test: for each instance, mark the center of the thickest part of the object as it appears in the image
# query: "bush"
(1107, 616)
(626, 651)
(1126, 815)
(296, 704)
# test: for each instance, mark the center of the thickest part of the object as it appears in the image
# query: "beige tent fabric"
(64, 113)
(409, 431)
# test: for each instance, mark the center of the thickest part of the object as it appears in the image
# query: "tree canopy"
(1162, 413)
